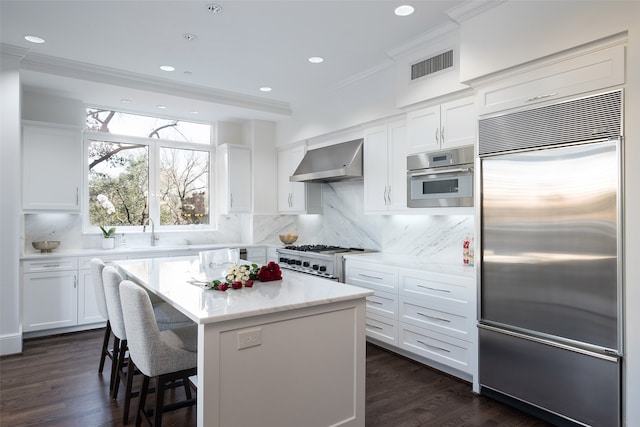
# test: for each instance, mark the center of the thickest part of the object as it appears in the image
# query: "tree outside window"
(121, 170)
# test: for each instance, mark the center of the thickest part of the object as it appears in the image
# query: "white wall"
(10, 161)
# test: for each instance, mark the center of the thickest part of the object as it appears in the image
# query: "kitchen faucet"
(153, 231)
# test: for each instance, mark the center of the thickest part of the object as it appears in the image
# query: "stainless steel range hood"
(338, 162)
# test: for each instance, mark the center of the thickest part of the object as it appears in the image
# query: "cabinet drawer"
(372, 276)
(59, 264)
(438, 347)
(459, 325)
(437, 289)
(383, 304)
(382, 329)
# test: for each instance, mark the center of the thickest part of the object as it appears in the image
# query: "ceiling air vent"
(432, 65)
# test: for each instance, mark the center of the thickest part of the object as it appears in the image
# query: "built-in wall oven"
(441, 178)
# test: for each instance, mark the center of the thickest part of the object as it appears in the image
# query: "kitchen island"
(288, 352)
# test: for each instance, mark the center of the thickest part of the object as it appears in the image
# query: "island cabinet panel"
(275, 376)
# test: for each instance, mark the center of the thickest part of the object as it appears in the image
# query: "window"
(150, 168)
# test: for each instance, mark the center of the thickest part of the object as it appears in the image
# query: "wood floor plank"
(55, 382)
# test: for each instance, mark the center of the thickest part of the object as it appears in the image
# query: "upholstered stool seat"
(168, 355)
(97, 265)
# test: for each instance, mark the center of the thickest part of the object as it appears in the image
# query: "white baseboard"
(10, 344)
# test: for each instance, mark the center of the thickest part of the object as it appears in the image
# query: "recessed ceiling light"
(125, 101)
(266, 89)
(167, 68)
(316, 59)
(189, 36)
(162, 107)
(404, 10)
(214, 8)
(34, 39)
(193, 112)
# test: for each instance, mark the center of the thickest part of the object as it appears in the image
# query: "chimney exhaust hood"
(339, 162)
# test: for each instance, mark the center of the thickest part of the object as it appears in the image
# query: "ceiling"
(104, 51)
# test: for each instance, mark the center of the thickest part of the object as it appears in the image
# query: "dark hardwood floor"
(54, 382)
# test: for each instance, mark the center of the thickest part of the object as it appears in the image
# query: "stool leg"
(127, 392)
(143, 400)
(119, 366)
(105, 346)
(159, 401)
(116, 354)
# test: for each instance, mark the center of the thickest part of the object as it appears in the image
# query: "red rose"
(248, 283)
(222, 287)
(269, 272)
(236, 285)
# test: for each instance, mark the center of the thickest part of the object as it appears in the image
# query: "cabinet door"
(458, 121)
(87, 307)
(423, 130)
(284, 186)
(52, 168)
(49, 300)
(397, 167)
(298, 195)
(234, 179)
(375, 170)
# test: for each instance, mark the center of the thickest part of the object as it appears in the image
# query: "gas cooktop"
(320, 248)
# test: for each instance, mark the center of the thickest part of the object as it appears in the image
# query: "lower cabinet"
(50, 300)
(427, 316)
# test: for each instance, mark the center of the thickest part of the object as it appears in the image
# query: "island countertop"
(170, 279)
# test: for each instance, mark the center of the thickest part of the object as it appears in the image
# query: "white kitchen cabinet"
(233, 171)
(385, 157)
(49, 294)
(88, 312)
(296, 197)
(424, 315)
(545, 82)
(448, 125)
(52, 167)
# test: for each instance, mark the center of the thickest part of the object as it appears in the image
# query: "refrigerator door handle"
(556, 344)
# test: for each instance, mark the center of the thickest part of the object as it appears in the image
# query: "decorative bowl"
(288, 239)
(46, 246)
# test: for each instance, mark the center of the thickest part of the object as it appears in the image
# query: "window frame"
(154, 145)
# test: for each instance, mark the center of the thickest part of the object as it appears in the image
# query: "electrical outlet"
(249, 338)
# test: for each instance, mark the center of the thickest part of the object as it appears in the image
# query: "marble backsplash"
(435, 238)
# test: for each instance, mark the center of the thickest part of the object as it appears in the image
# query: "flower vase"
(108, 243)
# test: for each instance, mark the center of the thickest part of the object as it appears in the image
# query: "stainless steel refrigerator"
(550, 271)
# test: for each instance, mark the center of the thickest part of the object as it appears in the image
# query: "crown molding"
(83, 71)
(471, 8)
(18, 52)
(425, 39)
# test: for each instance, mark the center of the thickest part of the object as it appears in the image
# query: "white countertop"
(168, 278)
(126, 250)
(414, 263)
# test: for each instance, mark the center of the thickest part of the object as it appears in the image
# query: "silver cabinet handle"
(442, 319)
(442, 134)
(374, 302)
(437, 140)
(77, 196)
(231, 200)
(51, 266)
(75, 281)
(369, 277)
(434, 347)
(389, 195)
(434, 289)
(546, 95)
(373, 326)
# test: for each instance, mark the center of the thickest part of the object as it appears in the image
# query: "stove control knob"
(305, 264)
(298, 262)
(283, 259)
(323, 268)
(291, 261)
(315, 266)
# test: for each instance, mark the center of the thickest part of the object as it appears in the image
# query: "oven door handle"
(440, 172)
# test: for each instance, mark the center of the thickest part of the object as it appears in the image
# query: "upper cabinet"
(296, 197)
(233, 168)
(551, 81)
(51, 167)
(385, 167)
(443, 126)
